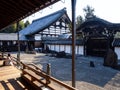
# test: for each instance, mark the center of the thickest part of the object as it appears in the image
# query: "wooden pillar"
(77, 49)
(65, 27)
(18, 55)
(65, 48)
(55, 32)
(84, 45)
(73, 3)
(60, 30)
(50, 46)
(54, 47)
(49, 31)
(59, 47)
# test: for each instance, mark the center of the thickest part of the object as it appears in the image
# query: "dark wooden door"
(97, 46)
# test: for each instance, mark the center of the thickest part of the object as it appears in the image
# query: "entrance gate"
(97, 46)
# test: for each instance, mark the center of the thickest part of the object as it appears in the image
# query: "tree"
(117, 35)
(27, 23)
(9, 29)
(89, 12)
(13, 27)
(79, 20)
(21, 25)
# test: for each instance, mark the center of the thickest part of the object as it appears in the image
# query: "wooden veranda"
(28, 77)
(9, 78)
(14, 11)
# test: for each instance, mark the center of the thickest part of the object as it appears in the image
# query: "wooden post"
(2, 55)
(18, 55)
(48, 73)
(73, 3)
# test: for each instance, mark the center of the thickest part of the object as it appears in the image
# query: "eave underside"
(15, 10)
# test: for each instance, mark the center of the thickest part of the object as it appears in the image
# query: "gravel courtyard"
(87, 78)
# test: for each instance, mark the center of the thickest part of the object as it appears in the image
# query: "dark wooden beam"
(15, 10)
(30, 3)
(73, 2)
(13, 5)
(36, 2)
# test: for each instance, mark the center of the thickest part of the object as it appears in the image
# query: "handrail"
(36, 67)
(46, 76)
(15, 60)
(32, 69)
(43, 74)
(47, 72)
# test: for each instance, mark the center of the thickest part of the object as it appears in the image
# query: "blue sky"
(105, 9)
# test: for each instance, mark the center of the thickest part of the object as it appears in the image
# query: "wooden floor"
(10, 78)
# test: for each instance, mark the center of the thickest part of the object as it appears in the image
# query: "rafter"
(15, 10)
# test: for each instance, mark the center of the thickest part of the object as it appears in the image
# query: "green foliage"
(89, 12)
(70, 27)
(26, 23)
(117, 35)
(13, 27)
(9, 29)
(21, 25)
(79, 36)
(79, 20)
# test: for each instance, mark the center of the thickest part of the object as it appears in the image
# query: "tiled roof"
(42, 23)
(63, 42)
(98, 22)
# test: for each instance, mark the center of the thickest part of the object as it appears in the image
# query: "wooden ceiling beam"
(15, 10)
(27, 6)
(18, 5)
(10, 12)
(31, 3)
(11, 4)
(37, 2)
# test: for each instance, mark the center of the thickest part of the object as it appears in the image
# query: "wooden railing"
(46, 79)
(15, 61)
(39, 78)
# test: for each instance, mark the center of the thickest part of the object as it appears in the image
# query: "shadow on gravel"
(98, 75)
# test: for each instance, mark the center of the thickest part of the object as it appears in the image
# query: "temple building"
(9, 42)
(48, 26)
(53, 32)
(30, 37)
(98, 36)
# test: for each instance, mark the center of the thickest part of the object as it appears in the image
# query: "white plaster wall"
(62, 47)
(49, 47)
(81, 50)
(76, 50)
(68, 48)
(57, 48)
(117, 50)
(52, 47)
